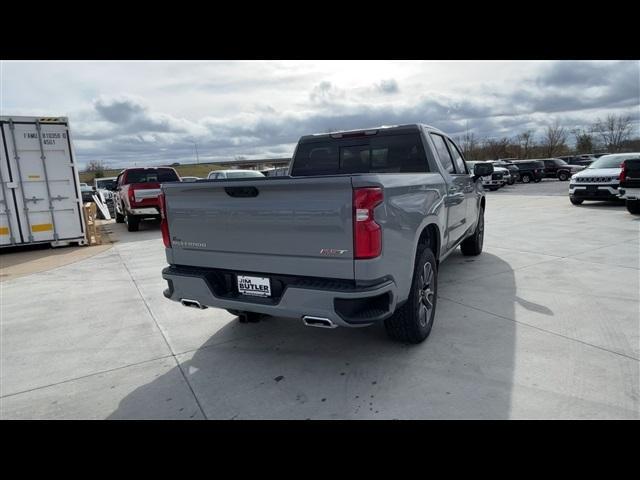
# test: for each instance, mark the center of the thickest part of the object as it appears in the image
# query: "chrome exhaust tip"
(319, 322)
(192, 303)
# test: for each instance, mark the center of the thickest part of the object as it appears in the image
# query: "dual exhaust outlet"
(308, 320)
(192, 303)
(319, 322)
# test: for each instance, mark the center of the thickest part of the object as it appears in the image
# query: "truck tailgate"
(297, 226)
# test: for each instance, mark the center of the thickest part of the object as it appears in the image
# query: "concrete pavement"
(544, 324)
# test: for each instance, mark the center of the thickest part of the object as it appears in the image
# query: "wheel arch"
(430, 237)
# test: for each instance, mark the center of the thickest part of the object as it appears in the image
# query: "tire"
(563, 176)
(493, 189)
(526, 178)
(633, 206)
(412, 322)
(537, 180)
(133, 222)
(473, 244)
(575, 201)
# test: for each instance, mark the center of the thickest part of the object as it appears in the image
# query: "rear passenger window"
(443, 153)
(457, 157)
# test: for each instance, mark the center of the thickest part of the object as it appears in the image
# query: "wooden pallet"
(93, 231)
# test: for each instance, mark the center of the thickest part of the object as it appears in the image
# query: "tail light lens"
(132, 196)
(623, 173)
(367, 234)
(164, 224)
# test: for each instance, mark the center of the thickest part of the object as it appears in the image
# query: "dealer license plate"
(254, 286)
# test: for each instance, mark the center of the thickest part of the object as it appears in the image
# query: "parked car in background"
(600, 180)
(189, 179)
(629, 189)
(557, 168)
(107, 187)
(137, 194)
(583, 159)
(233, 174)
(353, 237)
(530, 170)
(490, 182)
(514, 171)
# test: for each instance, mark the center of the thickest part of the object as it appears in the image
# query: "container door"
(9, 228)
(47, 189)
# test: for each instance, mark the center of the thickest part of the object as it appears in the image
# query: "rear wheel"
(493, 189)
(473, 244)
(563, 176)
(133, 222)
(633, 206)
(412, 322)
(526, 178)
(537, 180)
(575, 201)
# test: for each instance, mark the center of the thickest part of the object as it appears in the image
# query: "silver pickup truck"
(353, 236)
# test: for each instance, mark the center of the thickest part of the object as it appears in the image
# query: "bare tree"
(613, 130)
(469, 144)
(584, 140)
(97, 167)
(554, 140)
(526, 142)
(496, 148)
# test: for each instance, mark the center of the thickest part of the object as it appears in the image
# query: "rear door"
(469, 188)
(45, 183)
(458, 184)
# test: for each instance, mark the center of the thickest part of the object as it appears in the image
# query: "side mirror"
(482, 170)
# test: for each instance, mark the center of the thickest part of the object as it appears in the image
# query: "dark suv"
(530, 170)
(512, 167)
(557, 168)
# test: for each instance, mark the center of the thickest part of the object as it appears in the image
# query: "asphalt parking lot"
(544, 324)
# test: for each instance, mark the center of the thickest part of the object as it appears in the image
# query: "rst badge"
(332, 252)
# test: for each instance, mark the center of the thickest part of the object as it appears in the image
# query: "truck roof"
(381, 130)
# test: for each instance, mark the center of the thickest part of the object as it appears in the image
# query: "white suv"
(600, 180)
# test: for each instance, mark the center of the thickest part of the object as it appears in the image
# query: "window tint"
(375, 154)
(457, 157)
(243, 174)
(443, 153)
(152, 176)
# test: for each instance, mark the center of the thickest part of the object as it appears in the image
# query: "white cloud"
(154, 111)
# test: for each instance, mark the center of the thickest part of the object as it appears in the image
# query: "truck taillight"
(132, 196)
(623, 172)
(164, 224)
(367, 234)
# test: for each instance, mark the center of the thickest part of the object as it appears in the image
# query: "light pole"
(197, 157)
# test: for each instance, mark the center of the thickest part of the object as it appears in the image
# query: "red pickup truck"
(137, 191)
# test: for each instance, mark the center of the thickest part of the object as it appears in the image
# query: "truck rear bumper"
(150, 211)
(629, 193)
(344, 306)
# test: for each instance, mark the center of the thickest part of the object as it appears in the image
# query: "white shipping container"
(40, 198)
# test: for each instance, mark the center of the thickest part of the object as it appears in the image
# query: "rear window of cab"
(151, 175)
(377, 154)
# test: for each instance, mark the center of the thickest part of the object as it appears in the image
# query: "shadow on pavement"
(279, 369)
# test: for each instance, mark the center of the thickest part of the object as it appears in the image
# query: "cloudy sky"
(147, 112)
